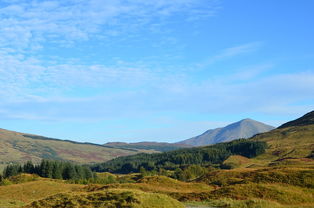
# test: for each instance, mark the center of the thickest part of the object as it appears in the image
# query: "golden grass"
(160, 184)
(18, 194)
(291, 142)
(122, 198)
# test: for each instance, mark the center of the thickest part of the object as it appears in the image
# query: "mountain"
(157, 146)
(307, 119)
(20, 147)
(241, 129)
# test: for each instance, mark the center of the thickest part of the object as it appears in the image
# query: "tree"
(29, 167)
(57, 170)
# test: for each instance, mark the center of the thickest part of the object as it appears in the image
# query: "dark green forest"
(50, 169)
(212, 155)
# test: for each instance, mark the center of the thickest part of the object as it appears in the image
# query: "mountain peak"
(244, 128)
(307, 119)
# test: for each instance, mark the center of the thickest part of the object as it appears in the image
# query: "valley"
(271, 169)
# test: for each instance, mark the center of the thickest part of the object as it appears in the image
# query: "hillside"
(307, 119)
(19, 147)
(287, 143)
(157, 146)
(241, 129)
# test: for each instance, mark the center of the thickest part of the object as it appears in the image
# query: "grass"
(297, 176)
(121, 198)
(241, 187)
(19, 194)
(159, 184)
(283, 194)
(291, 142)
(231, 203)
(237, 161)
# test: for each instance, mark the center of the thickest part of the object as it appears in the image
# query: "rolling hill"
(242, 129)
(20, 147)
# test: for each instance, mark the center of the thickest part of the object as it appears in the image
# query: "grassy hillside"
(285, 143)
(18, 147)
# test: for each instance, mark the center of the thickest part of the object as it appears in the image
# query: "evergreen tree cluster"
(50, 169)
(182, 158)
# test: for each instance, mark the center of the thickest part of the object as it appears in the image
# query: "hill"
(307, 119)
(157, 146)
(241, 129)
(19, 147)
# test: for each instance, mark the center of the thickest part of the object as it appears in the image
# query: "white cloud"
(231, 52)
(25, 24)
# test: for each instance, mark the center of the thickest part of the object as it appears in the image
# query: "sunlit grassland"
(16, 195)
(113, 198)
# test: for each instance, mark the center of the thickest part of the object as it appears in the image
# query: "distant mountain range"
(242, 129)
(157, 146)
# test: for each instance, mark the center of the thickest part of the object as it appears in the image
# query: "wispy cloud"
(27, 25)
(230, 52)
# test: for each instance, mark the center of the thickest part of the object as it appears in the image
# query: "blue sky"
(134, 70)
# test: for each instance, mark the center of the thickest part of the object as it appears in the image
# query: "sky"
(135, 70)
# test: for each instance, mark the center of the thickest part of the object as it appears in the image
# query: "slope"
(19, 147)
(241, 129)
(294, 139)
(307, 119)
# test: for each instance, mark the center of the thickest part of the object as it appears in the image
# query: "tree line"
(51, 169)
(212, 155)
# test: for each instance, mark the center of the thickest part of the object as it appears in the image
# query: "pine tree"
(57, 170)
(29, 167)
